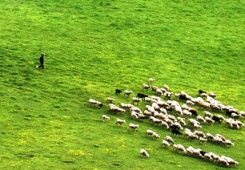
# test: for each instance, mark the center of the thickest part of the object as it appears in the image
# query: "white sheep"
(208, 156)
(166, 87)
(179, 148)
(209, 120)
(149, 132)
(146, 86)
(159, 91)
(169, 139)
(212, 94)
(148, 99)
(92, 101)
(136, 109)
(181, 121)
(120, 122)
(200, 118)
(134, 115)
(228, 142)
(151, 80)
(165, 143)
(201, 139)
(155, 135)
(95, 102)
(133, 126)
(136, 100)
(189, 102)
(127, 92)
(209, 136)
(144, 153)
(206, 113)
(110, 100)
(105, 118)
(199, 133)
(186, 113)
(165, 124)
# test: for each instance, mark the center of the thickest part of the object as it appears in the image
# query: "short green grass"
(93, 47)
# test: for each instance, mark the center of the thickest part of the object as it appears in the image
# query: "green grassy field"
(93, 47)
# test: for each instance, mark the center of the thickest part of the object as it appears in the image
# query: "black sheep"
(216, 119)
(118, 91)
(176, 132)
(141, 95)
(201, 91)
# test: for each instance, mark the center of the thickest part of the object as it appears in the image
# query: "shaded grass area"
(93, 47)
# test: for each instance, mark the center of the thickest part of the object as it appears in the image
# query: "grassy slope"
(93, 47)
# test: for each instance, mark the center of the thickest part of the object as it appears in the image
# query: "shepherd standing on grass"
(41, 59)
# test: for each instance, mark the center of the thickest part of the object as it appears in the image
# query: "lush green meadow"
(95, 46)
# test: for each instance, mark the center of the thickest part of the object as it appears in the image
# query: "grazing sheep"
(127, 92)
(151, 80)
(169, 139)
(165, 124)
(201, 139)
(178, 109)
(189, 102)
(223, 161)
(209, 120)
(147, 113)
(120, 122)
(235, 115)
(181, 121)
(136, 100)
(136, 109)
(204, 105)
(176, 132)
(179, 148)
(201, 91)
(146, 86)
(192, 135)
(199, 133)
(149, 132)
(200, 118)
(149, 100)
(154, 88)
(212, 94)
(216, 119)
(159, 91)
(150, 108)
(105, 118)
(134, 115)
(155, 135)
(208, 114)
(110, 100)
(168, 95)
(113, 108)
(95, 102)
(126, 106)
(193, 111)
(228, 143)
(166, 87)
(209, 136)
(208, 156)
(242, 113)
(165, 143)
(142, 96)
(144, 153)
(197, 126)
(133, 126)
(186, 113)
(231, 161)
(118, 91)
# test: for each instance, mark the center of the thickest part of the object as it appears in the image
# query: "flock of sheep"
(161, 109)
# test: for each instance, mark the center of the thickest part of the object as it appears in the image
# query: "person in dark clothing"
(41, 59)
